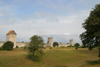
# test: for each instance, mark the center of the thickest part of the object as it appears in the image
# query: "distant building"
(71, 42)
(50, 41)
(11, 36)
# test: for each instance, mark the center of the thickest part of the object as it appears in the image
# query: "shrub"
(22, 47)
(25, 47)
(8, 45)
(44, 47)
(55, 44)
(77, 45)
(22, 41)
(76, 48)
(1, 48)
(63, 46)
(84, 46)
(17, 47)
(90, 47)
(50, 47)
(70, 46)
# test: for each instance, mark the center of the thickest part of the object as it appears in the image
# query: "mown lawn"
(55, 57)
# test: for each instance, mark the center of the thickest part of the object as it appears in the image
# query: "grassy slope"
(55, 57)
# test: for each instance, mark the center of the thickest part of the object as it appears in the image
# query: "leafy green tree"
(55, 44)
(8, 45)
(91, 36)
(77, 45)
(35, 45)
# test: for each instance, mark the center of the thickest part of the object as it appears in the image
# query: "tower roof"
(11, 32)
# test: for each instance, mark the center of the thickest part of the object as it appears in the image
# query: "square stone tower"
(11, 36)
(71, 42)
(50, 41)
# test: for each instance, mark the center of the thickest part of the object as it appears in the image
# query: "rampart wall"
(19, 44)
(1, 43)
(64, 45)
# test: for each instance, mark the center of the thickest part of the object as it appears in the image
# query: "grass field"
(55, 57)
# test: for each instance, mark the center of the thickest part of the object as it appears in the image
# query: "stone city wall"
(1, 43)
(64, 45)
(19, 44)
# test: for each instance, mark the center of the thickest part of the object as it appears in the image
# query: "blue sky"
(60, 18)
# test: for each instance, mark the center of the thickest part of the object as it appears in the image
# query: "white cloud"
(67, 33)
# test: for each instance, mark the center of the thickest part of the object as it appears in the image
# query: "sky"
(60, 19)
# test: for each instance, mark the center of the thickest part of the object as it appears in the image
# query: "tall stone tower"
(50, 41)
(11, 36)
(71, 42)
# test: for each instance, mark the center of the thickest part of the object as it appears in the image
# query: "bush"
(70, 46)
(17, 47)
(90, 47)
(55, 44)
(25, 47)
(76, 48)
(50, 47)
(22, 47)
(77, 45)
(8, 45)
(44, 47)
(84, 46)
(1, 48)
(63, 46)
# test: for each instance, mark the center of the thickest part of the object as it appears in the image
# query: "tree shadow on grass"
(36, 58)
(93, 62)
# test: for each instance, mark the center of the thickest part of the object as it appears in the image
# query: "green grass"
(55, 57)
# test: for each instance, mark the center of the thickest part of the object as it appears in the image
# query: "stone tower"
(71, 42)
(50, 41)
(11, 36)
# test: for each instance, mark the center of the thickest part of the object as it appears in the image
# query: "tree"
(55, 44)
(8, 45)
(77, 45)
(35, 45)
(91, 36)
